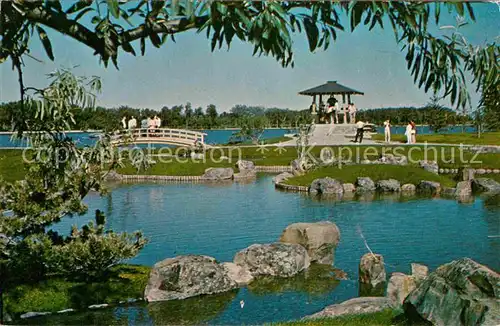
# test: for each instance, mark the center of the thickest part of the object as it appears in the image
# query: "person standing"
(387, 130)
(360, 129)
(124, 122)
(413, 132)
(132, 123)
(408, 133)
(352, 113)
(158, 121)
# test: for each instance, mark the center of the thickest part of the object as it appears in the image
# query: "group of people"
(330, 112)
(146, 123)
(410, 132)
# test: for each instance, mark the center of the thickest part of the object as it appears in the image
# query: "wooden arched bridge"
(177, 137)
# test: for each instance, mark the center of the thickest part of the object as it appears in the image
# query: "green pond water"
(219, 220)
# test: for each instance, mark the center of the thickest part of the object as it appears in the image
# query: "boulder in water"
(320, 239)
(187, 276)
(372, 276)
(276, 259)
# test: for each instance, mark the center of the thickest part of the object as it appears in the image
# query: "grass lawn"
(126, 282)
(11, 165)
(382, 318)
(487, 138)
(349, 173)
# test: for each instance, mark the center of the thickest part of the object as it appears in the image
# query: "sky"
(369, 61)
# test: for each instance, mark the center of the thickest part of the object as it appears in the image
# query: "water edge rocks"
(320, 239)
(363, 305)
(282, 177)
(429, 187)
(419, 272)
(398, 288)
(326, 186)
(462, 292)
(364, 184)
(237, 273)
(349, 188)
(390, 185)
(408, 189)
(485, 185)
(372, 276)
(275, 259)
(187, 276)
(218, 174)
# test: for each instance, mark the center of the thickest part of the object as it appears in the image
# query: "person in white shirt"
(124, 123)
(336, 112)
(360, 128)
(387, 130)
(352, 112)
(158, 122)
(408, 133)
(132, 123)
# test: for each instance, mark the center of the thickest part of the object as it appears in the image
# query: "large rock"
(326, 186)
(485, 185)
(364, 305)
(419, 272)
(245, 165)
(320, 239)
(430, 166)
(462, 292)
(390, 185)
(364, 184)
(276, 259)
(187, 276)
(349, 188)
(408, 188)
(218, 174)
(372, 276)
(282, 177)
(398, 288)
(238, 274)
(429, 187)
(463, 188)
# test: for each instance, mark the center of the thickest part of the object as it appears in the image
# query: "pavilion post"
(349, 103)
(344, 108)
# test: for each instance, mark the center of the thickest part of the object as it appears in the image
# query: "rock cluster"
(191, 275)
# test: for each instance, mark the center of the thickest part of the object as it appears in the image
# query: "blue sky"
(188, 71)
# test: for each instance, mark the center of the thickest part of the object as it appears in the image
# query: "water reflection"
(316, 281)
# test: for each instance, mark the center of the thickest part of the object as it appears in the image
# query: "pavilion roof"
(330, 88)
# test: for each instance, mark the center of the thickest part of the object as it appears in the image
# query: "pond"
(219, 220)
(217, 137)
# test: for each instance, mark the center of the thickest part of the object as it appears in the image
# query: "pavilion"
(331, 88)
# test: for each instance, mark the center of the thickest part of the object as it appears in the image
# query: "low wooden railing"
(175, 136)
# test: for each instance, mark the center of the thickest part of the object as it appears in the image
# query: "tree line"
(239, 116)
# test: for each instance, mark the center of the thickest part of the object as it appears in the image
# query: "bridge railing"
(163, 134)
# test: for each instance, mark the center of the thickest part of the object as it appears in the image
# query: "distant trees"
(427, 115)
(240, 116)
